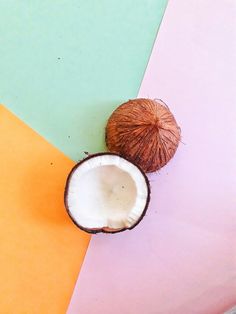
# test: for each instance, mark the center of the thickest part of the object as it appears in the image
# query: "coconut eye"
(106, 193)
(144, 131)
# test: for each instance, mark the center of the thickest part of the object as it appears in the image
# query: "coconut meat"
(106, 191)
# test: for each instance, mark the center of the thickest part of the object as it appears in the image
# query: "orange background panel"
(41, 250)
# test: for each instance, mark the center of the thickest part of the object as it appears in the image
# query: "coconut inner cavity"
(106, 192)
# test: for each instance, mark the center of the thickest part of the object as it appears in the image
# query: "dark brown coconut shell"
(145, 132)
(105, 229)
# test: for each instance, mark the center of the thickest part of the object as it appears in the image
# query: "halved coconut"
(106, 193)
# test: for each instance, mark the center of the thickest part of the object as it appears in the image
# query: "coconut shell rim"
(102, 230)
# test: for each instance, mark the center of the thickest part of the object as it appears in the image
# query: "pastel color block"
(41, 250)
(65, 65)
(182, 257)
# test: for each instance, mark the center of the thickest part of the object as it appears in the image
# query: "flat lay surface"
(181, 259)
(41, 250)
(65, 66)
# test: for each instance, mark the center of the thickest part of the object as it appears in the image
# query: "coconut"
(145, 132)
(106, 193)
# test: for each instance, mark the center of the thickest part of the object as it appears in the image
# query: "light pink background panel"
(181, 258)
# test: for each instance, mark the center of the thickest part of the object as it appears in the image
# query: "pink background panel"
(181, 258)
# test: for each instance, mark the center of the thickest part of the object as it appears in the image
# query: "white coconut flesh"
(106, 191)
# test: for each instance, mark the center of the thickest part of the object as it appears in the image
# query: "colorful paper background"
(181, 258)
(41, 250)
(65, 65)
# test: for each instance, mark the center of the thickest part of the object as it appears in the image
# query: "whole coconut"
(145, 132)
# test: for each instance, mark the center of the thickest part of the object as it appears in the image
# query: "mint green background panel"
(65, 65)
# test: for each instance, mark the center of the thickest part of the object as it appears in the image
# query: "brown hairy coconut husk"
(145, 132)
